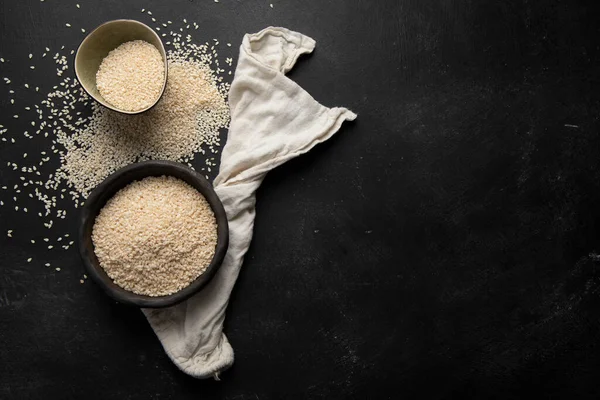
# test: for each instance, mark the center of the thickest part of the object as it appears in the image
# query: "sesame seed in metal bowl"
(153, 234)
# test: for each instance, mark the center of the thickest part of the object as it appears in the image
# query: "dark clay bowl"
(107, 189)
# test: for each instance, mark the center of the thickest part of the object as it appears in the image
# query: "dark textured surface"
(442, 246)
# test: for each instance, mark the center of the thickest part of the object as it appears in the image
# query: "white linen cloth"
(272, 120)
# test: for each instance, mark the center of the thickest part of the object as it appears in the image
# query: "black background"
(441, 246)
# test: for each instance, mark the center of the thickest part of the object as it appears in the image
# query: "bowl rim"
(108, 105)
(106, 190)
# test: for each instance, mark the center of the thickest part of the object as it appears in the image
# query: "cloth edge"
(207, 365)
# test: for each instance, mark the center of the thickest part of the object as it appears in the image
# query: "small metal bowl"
(117, 181)
(104, 39)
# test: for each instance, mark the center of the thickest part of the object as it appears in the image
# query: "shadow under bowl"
(117, 181)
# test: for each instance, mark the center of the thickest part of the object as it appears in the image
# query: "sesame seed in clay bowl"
(115, 184)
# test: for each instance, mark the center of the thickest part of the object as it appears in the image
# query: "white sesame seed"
(136, 90)
(68, 25)
(114, 232)
(78, 139)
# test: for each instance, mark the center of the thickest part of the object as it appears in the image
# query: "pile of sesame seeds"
(131, 76)
(155, 236)
(186, 121)
(80, 143)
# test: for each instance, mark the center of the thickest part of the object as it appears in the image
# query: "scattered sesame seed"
(30, 56)
(77, 5)
(29, 260)
(188, 123)
(68, 25)
(57, 268)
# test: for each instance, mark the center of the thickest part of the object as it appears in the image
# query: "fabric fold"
(272, 120)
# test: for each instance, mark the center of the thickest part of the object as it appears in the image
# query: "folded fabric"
(272, 120)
